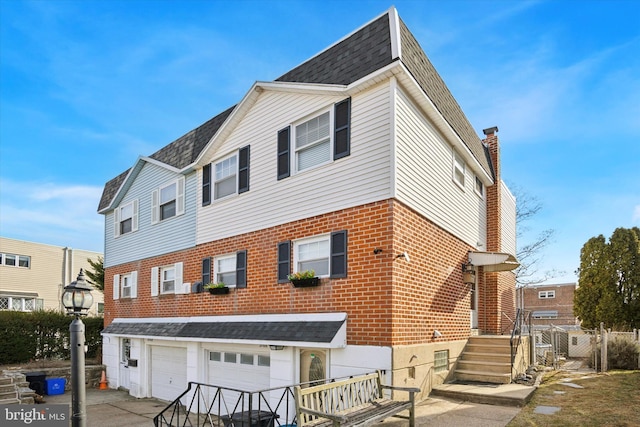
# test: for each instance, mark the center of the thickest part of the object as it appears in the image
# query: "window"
(316, 141)
(458, 169)
(125, 285)
(168, 280)
(231, 357)
(325, 254)
(440, 360)
(18, 303)
(215, 356)
(225, 177)
(546, 294)
(225, 270)
(230, 176)
(12, 260)
(246, 359)
(100, 308)
(167, 201)
(479, 187)
(126, 218)
(312, 254)
(264, 360)
(313, 142)
(230, 269)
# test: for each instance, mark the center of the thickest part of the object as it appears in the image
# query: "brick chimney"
(494, 198)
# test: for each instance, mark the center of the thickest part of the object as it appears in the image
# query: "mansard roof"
(356, 56)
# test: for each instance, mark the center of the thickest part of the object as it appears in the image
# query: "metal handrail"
(201, 413)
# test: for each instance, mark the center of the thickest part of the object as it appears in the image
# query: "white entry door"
(125, 354)
(168, 372)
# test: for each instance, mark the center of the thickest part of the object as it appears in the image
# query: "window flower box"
(305, 283)
(217, 288)
(304, 279)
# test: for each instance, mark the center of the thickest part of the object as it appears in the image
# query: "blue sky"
(88, 86)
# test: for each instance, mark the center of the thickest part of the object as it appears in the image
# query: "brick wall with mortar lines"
(429, 293)
(420, 296)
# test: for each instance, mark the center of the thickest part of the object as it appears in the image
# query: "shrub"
(42, 335)
(622, 353)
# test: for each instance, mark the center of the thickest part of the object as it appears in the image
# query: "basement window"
(440, 360)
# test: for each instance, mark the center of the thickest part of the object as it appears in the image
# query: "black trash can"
(36, 381)
(250, 419)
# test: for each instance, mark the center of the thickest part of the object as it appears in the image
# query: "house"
(357, 164)
(550, 304)
(33, 275)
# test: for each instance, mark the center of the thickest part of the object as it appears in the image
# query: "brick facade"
(389, 301)
(561, 304)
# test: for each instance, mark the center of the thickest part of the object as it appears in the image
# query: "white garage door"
(242, 368)
(168, 372)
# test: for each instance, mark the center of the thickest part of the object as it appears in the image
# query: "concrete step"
(487, 348)
(482, 376)
(9, 401)
(494, 394)
(483, 366)
(490, 339)
(5, 381)
(488, 357)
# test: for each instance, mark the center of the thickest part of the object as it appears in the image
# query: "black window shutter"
(342, 133)
(206, 270)
(241, 269)
(206, 185)
(243, 170)
(284, 161)
(339, 254)
(284, 261)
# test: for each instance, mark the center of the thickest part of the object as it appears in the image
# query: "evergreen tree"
(609, 281)
(96, 274)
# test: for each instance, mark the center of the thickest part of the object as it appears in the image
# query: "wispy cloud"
(51, 213)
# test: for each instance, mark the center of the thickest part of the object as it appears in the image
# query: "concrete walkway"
(115, 408)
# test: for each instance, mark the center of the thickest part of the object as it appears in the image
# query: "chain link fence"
(574, 348)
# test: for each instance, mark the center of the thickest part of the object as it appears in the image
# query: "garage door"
(241, 368)
(168, 372)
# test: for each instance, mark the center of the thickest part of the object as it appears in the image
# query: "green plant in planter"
(214, 285)
(300, 275)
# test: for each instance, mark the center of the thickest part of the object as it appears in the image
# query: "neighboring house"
(550, 304)
(358, 164)
(33, 275)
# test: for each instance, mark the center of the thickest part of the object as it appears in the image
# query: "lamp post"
(77, 300)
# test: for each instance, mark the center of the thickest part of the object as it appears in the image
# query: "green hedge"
(43, 335)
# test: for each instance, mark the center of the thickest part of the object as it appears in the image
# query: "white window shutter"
(134, 284)
(180, 197)
(155, 207)
(134, 220)
(154, 281)
(116, 286)
(178, 282)
(116, 222)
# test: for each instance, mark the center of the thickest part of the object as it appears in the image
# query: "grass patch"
(609, 399)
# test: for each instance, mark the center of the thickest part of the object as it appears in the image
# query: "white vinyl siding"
(508, 217)
(362, 177)
(424, 181)
(162, 237)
